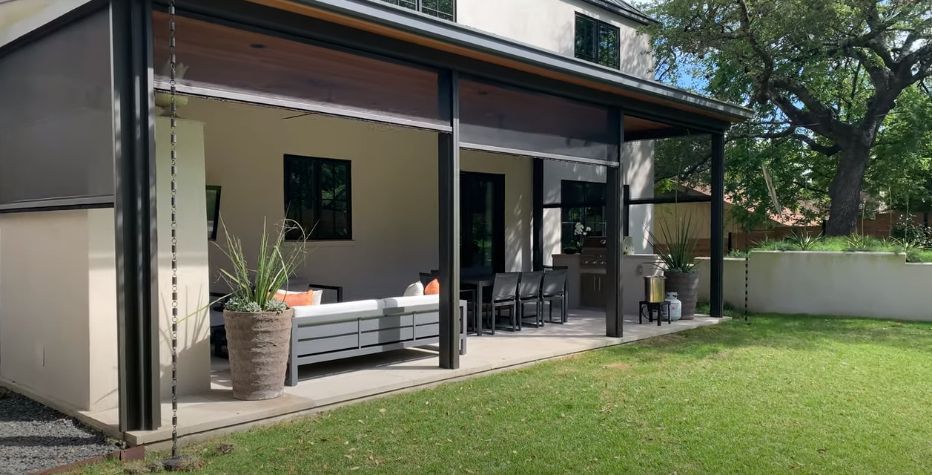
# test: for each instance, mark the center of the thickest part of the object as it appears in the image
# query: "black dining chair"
(529, 295)
(504, 297)
(553, 289)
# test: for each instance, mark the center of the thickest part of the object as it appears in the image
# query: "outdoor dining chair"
(529, 295)
(553, 289)
(504, 297)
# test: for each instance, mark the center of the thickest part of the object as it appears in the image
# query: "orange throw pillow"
(433, 288)
(296, 299)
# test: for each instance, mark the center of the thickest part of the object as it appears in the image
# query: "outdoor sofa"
(335, 331)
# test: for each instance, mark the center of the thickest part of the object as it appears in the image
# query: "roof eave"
(387, 15)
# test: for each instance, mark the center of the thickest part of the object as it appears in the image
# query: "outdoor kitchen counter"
(634, 268)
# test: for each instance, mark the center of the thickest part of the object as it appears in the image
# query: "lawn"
(783, 394)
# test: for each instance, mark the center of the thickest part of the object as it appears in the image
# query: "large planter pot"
(686, 286)
(258, 345)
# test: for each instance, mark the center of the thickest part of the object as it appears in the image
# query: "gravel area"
(34, 437)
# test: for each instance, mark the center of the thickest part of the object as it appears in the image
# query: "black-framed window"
(318, 196)
(597, 41)
(581, 202)
(445, 9)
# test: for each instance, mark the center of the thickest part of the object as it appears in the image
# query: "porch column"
(537, 255)
(717, 264)
(448, 153)
(134, 211)
(614, 313)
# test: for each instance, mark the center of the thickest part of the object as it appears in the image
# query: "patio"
(327, 385)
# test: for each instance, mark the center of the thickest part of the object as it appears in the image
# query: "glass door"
(482, 223)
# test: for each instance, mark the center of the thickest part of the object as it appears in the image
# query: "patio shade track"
(298, 105)
(532, 154)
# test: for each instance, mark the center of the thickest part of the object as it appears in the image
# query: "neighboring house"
(357, 118)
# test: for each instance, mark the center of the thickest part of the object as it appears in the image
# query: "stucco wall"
(58, 306)
(550, 25)
(193, 276)
(864, 284)
(394, 192)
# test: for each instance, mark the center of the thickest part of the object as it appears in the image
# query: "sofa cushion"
(414, 289)
(432, 288)
(337, 308)
(396, 302)
(299, 299)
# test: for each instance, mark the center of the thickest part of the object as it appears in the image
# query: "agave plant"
(858, 242)
(253, 290)
(803, 240)
(674, 245)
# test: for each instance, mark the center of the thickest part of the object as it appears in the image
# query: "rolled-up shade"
(56, 116)
(508, 117)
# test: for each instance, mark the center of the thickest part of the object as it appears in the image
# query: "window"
(597, 41)
(445, 9)
(318, 197)
(581, 202)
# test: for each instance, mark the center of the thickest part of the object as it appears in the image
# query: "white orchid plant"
(580, 231)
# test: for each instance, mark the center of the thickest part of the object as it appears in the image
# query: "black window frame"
(314, 230)
(598, 49)
(419, 6)
(566, 203)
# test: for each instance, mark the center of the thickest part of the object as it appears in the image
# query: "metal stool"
(651, 308)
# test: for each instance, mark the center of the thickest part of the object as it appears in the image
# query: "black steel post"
(134, 212)
(717, 265)
(537, 219)
(614, 313)
(449, 199)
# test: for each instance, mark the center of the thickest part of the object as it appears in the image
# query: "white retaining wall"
(861, 284)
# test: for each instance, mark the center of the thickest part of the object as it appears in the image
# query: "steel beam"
(448, 153)
(614, 313)
(537, 226)
(717, 274)
(136, 246)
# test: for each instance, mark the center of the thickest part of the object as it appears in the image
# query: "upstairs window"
(445, 9)
(597, 41)
(318, 197)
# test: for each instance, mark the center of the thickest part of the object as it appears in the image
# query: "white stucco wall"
(58, 307)
(550, 25)
(193, 276)
(863, 284)
(394, 192)
(18, 17)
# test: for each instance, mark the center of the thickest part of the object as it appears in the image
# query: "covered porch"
(420, 101)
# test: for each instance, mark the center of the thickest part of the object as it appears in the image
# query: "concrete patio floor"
(326, 385)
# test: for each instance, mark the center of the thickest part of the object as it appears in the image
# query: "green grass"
(783, 394)
(846, 244)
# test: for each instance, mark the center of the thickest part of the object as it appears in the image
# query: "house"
(407, 134)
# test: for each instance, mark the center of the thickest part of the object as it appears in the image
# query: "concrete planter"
(258, 345)
(686, 286)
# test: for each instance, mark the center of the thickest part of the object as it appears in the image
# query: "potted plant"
(580, 231)
(676, 251)
(258, 326)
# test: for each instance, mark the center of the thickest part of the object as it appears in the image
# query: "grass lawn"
(783, 394)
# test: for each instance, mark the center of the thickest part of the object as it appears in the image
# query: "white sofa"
(343, 330)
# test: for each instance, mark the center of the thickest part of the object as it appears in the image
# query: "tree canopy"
(840, 89)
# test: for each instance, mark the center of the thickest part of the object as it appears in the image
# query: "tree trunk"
(845, 191)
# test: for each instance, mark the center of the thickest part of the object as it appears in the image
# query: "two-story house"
(463, 136)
